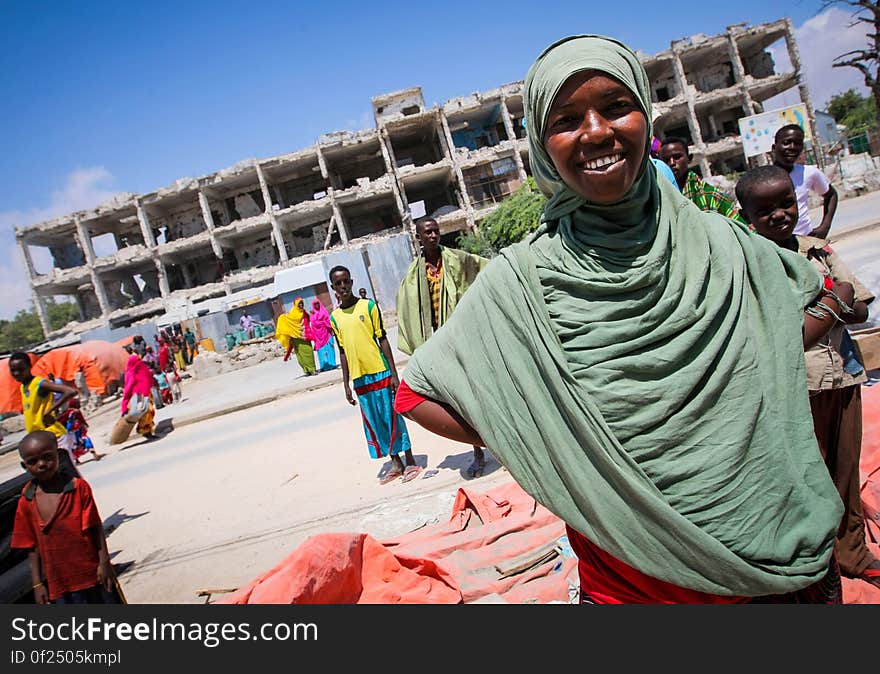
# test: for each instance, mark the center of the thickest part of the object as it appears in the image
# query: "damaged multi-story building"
(206, 237)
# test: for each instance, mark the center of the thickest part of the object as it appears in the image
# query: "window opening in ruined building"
(761, 60)
(410, 110)
(482, 128)
(371, 217)
(491, 183)
(437, 194)
(416, 147)
(662, 94)
(64, 253)
(104, 244)
(350, 165)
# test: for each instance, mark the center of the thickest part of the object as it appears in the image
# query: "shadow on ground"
(163, 428)
(461, 462)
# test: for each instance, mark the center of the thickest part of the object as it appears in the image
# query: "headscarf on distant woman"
(322, 336)
(291, 330)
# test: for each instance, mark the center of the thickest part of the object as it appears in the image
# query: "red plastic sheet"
(445, 563)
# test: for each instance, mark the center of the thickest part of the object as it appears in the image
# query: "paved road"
(861, 253)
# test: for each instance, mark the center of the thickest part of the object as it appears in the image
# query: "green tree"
(866, 14)
(25, 331)
(515, 217)
(856, 112)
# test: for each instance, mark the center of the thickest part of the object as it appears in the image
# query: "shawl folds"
(639, 369)
(319, 323)
(290, 325)
(460, 270)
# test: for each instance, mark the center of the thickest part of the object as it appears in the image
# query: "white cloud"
(820, 40)
(82, 189)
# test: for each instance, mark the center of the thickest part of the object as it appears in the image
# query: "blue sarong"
(327, 356)
(384, 428)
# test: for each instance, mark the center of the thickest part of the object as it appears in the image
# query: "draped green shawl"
(639, 369)
(414, 327)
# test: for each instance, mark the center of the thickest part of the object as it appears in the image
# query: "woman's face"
(596, 136)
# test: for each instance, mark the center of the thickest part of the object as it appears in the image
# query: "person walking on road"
(322, 336)
(293, 332)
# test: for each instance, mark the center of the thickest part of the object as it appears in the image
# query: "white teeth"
(602, 162)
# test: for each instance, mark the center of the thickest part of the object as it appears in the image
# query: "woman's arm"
(441, 419)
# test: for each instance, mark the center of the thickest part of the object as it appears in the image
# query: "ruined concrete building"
(205, 237)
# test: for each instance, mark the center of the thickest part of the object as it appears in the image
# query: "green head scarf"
(639, 369)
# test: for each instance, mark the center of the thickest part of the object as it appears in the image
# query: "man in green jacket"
(429, 292)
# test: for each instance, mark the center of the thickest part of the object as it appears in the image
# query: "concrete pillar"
(739, 72)
(42, 313)
(693, 121)
(276, 228)
(462, 187)
(511, 134)
(209, 224)
(146, 227)
(26, 256)
(337, 216)
(164, 288)
(86, 244)
(391, 169)
(322, 164)
(795, 56)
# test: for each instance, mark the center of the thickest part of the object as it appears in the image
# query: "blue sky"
(105, 97)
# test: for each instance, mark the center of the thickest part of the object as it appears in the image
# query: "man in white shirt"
(787, 148)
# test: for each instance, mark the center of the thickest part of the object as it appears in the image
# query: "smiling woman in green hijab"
(637, 364)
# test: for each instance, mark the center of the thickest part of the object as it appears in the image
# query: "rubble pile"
(210, 363)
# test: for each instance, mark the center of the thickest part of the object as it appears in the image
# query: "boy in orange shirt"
(58, 522)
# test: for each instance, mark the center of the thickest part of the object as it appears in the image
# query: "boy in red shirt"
(58, 522)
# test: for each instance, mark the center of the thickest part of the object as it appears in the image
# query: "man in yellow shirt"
(366, 359)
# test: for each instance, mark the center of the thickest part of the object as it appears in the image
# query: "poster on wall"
(757, 131)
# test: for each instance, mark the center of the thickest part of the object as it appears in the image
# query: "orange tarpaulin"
(445, 563)
(10, 390)
(101, 362)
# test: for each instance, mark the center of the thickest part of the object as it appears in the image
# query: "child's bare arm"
(41, 594)
(343, 361)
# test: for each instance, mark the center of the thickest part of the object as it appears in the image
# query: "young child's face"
(40, 459)
(19, 370)
(772, 208)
